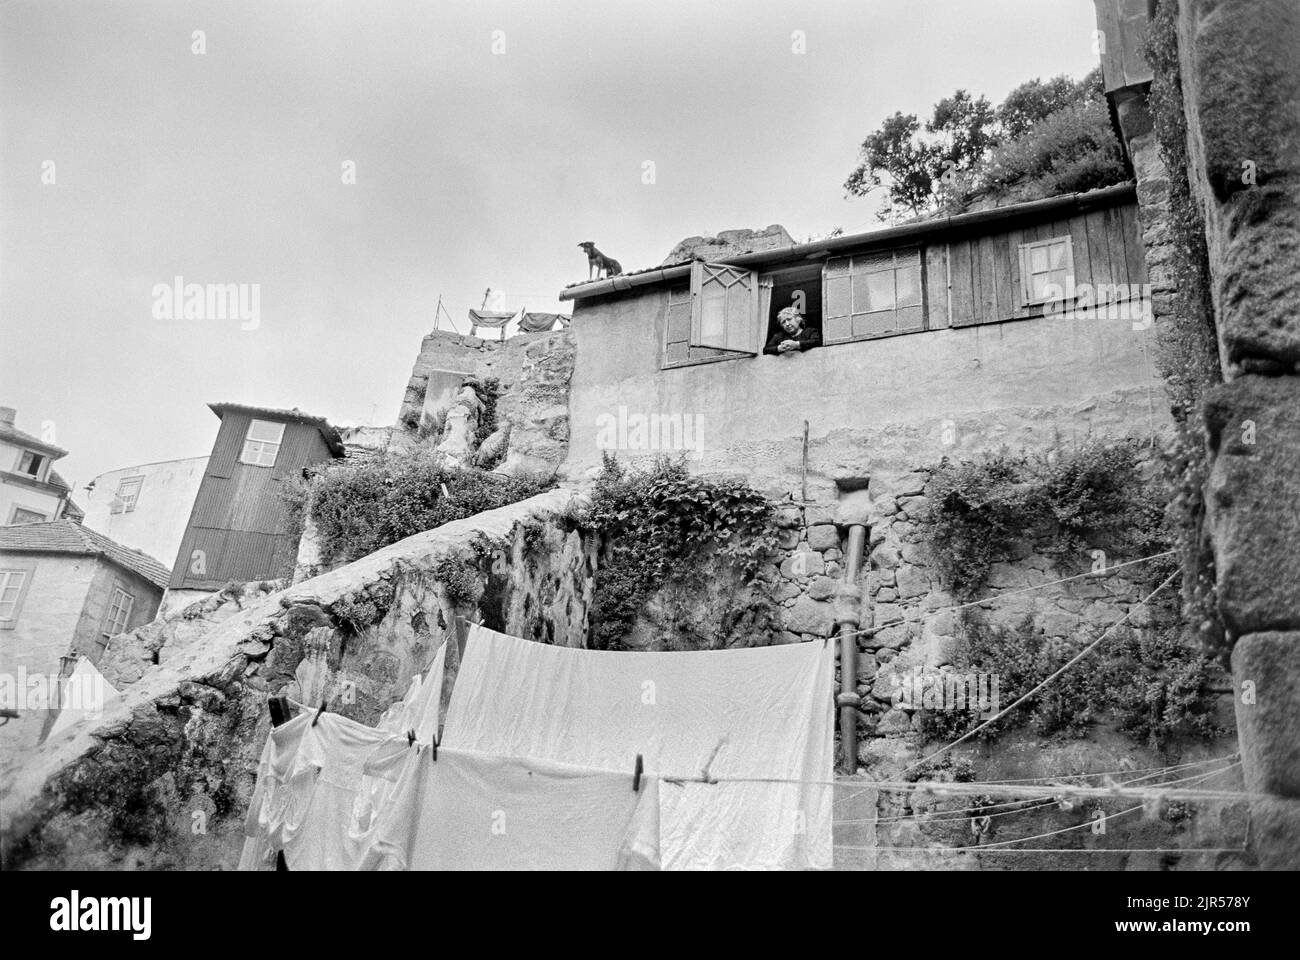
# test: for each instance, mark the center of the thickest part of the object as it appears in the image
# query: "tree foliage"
(1046, 137)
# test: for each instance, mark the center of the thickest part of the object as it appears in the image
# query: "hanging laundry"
(334, 829)
(467, 811)
(280, 796)
(763, 713)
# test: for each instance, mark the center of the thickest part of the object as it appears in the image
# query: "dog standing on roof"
(598, 263)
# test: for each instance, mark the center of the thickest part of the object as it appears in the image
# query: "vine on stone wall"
(663, 527)
(1067, 500)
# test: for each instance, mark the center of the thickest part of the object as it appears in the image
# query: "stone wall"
(162, 779)
(533, 371)
(1241, 84)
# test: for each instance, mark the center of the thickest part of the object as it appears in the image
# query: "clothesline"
(975, 788)
(1066, 666)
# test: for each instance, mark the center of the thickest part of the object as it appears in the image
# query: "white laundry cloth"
(335, 827)
(280, 796)
(761, 712)
(467, 811)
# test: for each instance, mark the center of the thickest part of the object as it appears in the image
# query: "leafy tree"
(1046, 137)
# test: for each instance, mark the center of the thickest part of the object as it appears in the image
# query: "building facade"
(238, 529)
(947, 337)
(146, 507)
(31, 490)
(65, 591)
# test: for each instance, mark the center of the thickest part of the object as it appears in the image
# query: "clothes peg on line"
(636, 775)
(280, 711)
(435, 748)
(410, 738)
(316, 719)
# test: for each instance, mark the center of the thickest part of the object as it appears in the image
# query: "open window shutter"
(724, 308)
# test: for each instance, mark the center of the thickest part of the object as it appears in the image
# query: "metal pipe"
(848, 622)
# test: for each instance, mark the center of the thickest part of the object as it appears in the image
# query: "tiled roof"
(64, 536)
(11, 434)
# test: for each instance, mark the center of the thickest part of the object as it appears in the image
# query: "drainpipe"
(847, 619)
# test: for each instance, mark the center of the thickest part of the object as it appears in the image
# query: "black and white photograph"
(558, 435)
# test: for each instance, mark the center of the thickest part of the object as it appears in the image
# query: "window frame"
(685, 307)
(124, 506)
(1025, 251)
(915, 255)
(13, 514)
(110, 614)
(42, 461)
(262, 445)
(27, 571)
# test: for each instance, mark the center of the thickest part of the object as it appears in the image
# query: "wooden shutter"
(724, 308)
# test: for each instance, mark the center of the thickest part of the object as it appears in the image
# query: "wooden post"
(803, 490)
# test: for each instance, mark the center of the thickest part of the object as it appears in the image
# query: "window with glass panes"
(128, 492)
(262, 443)
(11, 591)
(1046, 270)
(872, 295)
(119, 613)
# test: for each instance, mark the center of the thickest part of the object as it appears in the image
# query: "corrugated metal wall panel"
(230, 440)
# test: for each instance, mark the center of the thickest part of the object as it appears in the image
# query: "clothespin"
(410, 738)
(316, 719)
(636, 774)
(279, 707)
(435, 748)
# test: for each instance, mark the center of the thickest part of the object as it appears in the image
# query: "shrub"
(1091, 495)
(1152, 683)
(359, 508)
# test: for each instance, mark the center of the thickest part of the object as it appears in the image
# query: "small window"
(128, 492)
(12, 584)
(1046, 270)
(30, 463)
(874, 295)
(262, 444)
(23, 515)
(119, 614)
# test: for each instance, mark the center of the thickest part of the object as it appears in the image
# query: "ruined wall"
(533, 371)
(162, 780)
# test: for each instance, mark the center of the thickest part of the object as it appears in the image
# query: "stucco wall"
(874, 406)
(47, 623)
(162, 509)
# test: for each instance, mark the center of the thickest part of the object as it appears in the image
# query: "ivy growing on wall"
(1068, 500)
(663, 527)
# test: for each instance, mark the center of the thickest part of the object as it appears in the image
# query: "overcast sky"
(473, 169)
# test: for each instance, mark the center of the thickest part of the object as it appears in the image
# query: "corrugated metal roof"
(65, 536)
(330, 435)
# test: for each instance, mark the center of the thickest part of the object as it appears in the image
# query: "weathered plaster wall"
(872, 406)
(162, 509)
(47, 623)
